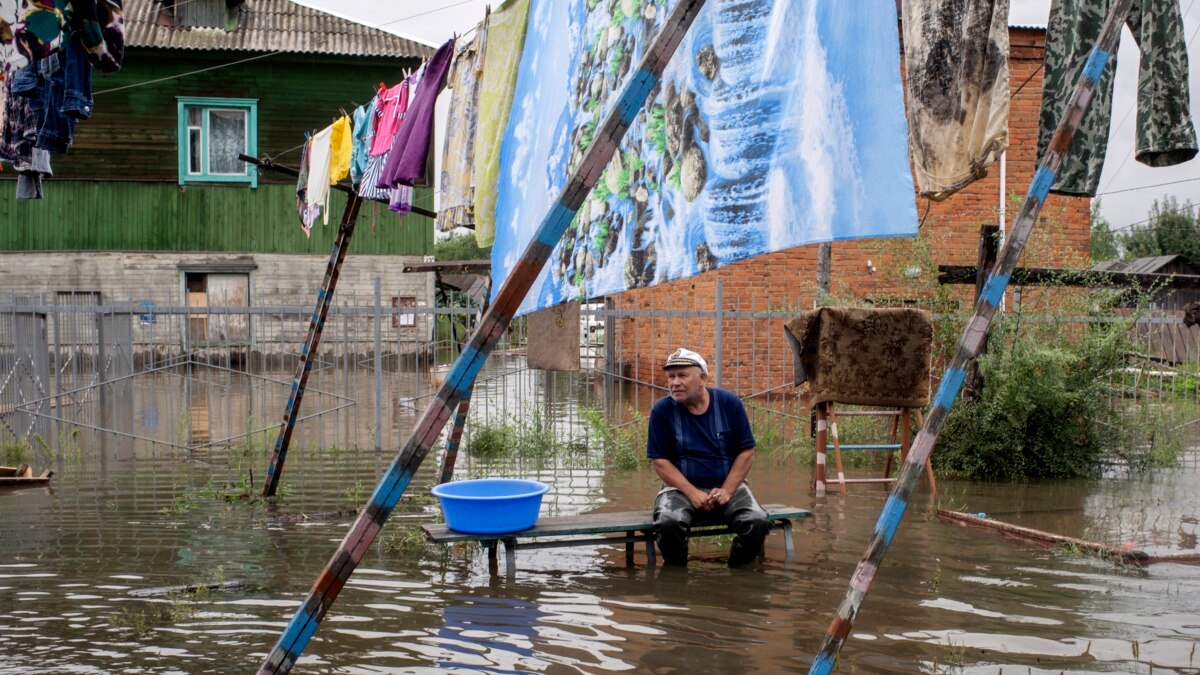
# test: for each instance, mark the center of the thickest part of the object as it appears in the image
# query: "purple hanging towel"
(410, 149)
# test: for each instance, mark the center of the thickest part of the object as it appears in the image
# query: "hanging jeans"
(1165, 134)
(59, 89)
(674, 515)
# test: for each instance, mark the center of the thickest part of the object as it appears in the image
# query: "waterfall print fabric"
(957, 59)
(775, 124)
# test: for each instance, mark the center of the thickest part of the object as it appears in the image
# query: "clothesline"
(268, 164)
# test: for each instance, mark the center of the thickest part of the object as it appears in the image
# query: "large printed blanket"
(776, 124)
(877, 357)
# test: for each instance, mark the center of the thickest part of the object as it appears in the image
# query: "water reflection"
(122, 515)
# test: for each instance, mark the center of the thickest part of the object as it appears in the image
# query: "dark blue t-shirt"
(702, 447)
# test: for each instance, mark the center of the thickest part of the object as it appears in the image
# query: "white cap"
(686, 357)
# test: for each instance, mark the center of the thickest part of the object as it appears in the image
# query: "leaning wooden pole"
(312, 341)
(970, 343)
(446, 472)
(462, 376)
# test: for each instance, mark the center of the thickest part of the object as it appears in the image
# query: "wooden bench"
(628, 527)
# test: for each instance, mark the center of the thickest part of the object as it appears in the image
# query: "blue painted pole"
(970, 344)
(459, 382)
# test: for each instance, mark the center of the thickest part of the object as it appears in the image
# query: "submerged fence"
(76, 371)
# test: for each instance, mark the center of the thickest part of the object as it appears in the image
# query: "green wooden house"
(151, 202)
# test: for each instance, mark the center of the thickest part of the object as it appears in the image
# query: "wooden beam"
(452, 266)
(1040, 276)
(1041, 538)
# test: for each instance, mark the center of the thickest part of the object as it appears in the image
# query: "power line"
(1147, 187)
(1181, 209)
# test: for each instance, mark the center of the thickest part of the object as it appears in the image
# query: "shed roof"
(269, 26)
(1149, 265)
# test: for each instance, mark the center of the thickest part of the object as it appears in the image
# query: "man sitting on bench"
(701, 446)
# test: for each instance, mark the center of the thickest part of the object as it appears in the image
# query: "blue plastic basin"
(491, 505)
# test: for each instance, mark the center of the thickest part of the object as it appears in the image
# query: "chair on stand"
(828, 438)
(874, 358)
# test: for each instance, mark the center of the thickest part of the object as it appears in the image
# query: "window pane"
(226, 139)
(194, 151)
(193, 117)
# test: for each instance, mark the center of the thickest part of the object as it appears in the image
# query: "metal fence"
(76, 374)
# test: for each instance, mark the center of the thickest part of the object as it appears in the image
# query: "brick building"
(753, 353)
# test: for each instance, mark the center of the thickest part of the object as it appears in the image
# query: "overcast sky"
(435, 21)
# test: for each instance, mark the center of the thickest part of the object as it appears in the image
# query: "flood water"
(125, 516)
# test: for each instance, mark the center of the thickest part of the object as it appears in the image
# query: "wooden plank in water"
(159, 591)
(22, 475)
(1043, 538)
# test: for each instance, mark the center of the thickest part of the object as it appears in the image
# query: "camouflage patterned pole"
(970, 343)
(395, 481)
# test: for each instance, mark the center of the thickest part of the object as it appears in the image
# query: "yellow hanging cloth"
(341, 144)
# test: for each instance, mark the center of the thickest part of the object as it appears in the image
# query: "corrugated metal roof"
(1151, 265)
(1109, 266)
(270, 26)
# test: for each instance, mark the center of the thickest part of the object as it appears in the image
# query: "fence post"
(824, 264)
(717, 348)
(98, 317)
(378, 365)
(58, 389)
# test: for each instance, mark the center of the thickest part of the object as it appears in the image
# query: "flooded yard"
(123, 515)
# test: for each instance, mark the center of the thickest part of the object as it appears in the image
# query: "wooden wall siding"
(132, 134)
(124, 216)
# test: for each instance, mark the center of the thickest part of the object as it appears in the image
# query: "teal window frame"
(186, 103)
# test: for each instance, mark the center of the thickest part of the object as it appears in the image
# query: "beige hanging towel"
(956, 65)
(554, 338)
(458, 159)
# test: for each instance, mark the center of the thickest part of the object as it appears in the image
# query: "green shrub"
(489, 441)
(531, 438)
(1042, 410)
(14, 452)
(623, 445)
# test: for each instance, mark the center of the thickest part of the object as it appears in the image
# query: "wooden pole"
(989, 246)
(969, 344)
(822, 438)
(374, 515)
(824, 265)
(312, 341)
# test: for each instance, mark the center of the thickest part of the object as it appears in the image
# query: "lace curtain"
(227, 138)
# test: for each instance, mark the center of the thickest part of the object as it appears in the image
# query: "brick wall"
(900, 269)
